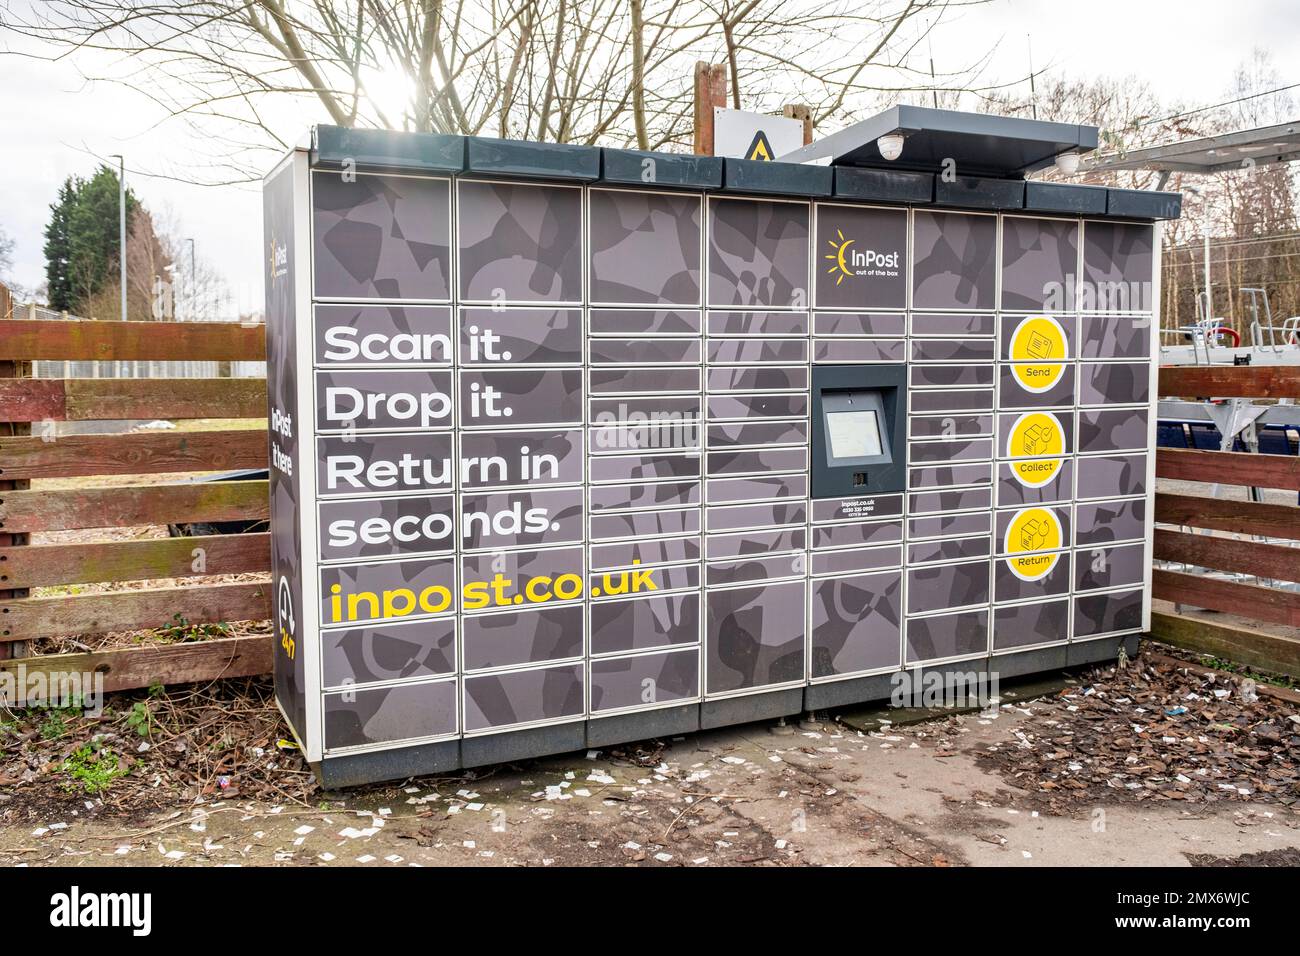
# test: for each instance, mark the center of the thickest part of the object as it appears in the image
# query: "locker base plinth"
(523, 744)
(352, 770)
(846, 693)
(745, 710)
(1035, 660)
(1102, 649)
(624, 728)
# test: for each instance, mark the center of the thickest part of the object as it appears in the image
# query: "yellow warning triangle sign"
(760, 148)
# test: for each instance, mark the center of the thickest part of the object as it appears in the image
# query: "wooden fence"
(30, 449)
(28, 453)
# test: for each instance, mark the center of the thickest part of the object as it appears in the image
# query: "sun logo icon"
(840, 269)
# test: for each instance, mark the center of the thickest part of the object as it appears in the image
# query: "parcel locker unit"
(576, 446)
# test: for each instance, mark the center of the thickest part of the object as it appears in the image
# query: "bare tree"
(616, 72)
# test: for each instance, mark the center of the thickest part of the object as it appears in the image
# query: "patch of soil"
(1154, 731)
(1289, 856)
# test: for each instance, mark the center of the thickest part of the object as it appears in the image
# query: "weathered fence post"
(11, 369)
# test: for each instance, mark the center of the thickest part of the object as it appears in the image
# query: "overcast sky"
(55, 124)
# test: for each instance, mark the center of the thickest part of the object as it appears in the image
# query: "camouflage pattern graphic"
(388, 652)
(939, 501)
(659, 351)
(758, 323)
(742, 517)
(645, 680)
(867, 508)
(389, 399)
(926, 452)
(853, 535)
(388, 591)
(757, 406)
(949, 426)
(1118, 259)
(638, 624)
(1012, 395)
(954, 261)
(750, 543)
(542, 397)
(645, 523)
(757, 351)
(519, 242)
(1104, 521)
(1012, 491)
(639, 468)
(860, 323)
(383, 334)
(949, 324)
(1008, 586)
(387, 527)
(948, 376)
(381, 237)
(948, 585)
(947, 635)
(636, 381)
(515, 519)
(645, 248)
(520, 567)
(726, 434)
(625, 554)
(629, 497)
(860, 258)
(728, 490)
(953, 350)
(362, 464)
(1096, 614)
(1113, 429)
(1104, 336)
(1114, 383)
(1039, 262)
(972, 400)
(754, 637)
(523, 697)
(758, 253)
(1114, 476)
(520, 336)
(858, 559)
(644, 322)
(945, 477)
(1028, 624)
(535, 457)
(771, 378)
(949, 549)
(859, 350)
(386, 714)
(949, 525)
(522, 637)
(1109, 567)
(855, 624)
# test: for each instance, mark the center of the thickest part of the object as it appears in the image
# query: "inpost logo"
(849, 263)
(278, 258)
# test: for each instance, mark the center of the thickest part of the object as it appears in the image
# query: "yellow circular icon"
(1038, 436)
(1032, 531)
(1038, 348)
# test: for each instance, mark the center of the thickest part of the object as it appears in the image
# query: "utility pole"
(194, 283)
(121, 226)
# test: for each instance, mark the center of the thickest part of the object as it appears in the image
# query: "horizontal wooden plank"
(32, 400)
(1276, 561)
(134, 505)
(129, 668)
(82, 340)
(1230, 381)
(28, 618)
(137, 453)
(1249, 600)
(1219, 514)
(1229, 468)
(1269, 652)
(117, 399)
(47, 565)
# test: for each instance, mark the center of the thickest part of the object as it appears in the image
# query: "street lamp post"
(121, 226)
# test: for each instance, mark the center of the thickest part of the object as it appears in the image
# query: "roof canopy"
(995, 146)
(1211, 154)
